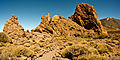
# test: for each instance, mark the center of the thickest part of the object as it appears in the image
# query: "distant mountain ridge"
(111, 23)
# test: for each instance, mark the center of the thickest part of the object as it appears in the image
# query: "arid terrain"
(80, 37)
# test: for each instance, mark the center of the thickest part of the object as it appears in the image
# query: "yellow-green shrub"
(18, 51)
(115, 42)
(35, 47)
(42, 44)
(103, 48)
(77, 50)
(27, 44)
(66, 53)
(97, 57)
(92, 43)
(115, 38)
(76, 34)
(100, 37)
(93, 50)
(23, 51)
(4, 38)
(91, 57)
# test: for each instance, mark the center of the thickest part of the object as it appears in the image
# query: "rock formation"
(83, 20)
(13, 28)
(60, 26)
(85, 15)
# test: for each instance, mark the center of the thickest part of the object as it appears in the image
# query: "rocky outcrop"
(85, 15)
(13, 28)
(58, 25)
(84, 20)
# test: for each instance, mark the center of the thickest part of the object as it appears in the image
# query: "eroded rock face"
(85, 15)
(84, 20)
(13, 28)
(60, 26)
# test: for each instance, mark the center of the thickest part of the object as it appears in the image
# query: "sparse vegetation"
(35, 47)
(18, 51)
(103, 48)
(82, 48)
(100, 37)
(76, 34)
(4, 38)
(79, 51)
(23, 51)
(91, 57)
(27, 44)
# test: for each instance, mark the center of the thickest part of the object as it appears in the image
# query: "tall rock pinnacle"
(13, 28)
(85, 15)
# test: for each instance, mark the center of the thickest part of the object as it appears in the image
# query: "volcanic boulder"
(13, 28)
(85, 15)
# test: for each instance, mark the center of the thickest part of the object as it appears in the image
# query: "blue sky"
(29, 11)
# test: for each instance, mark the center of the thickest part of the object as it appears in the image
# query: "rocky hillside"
(80, 37)
(58, 25)
(84, 20)
(111, 23)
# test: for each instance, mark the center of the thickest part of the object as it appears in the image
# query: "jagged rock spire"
(60, 26)
(13, 28)
(85, 15)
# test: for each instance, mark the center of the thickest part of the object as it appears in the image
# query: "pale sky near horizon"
(29, 11)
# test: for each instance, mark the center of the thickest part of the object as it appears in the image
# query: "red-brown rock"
(85, 15)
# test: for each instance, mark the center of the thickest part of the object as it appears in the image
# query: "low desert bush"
(93, 51)
(71, 52)
(91, 57)
(27, 45)
(86, 36)
(103, 48)
(4, 38)
(115, 38)
(92, 43)
(76, 34)
(100, 37)
(41, 44)
(115, 42)
(35, 47)
(23, 51)
(18, 51)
